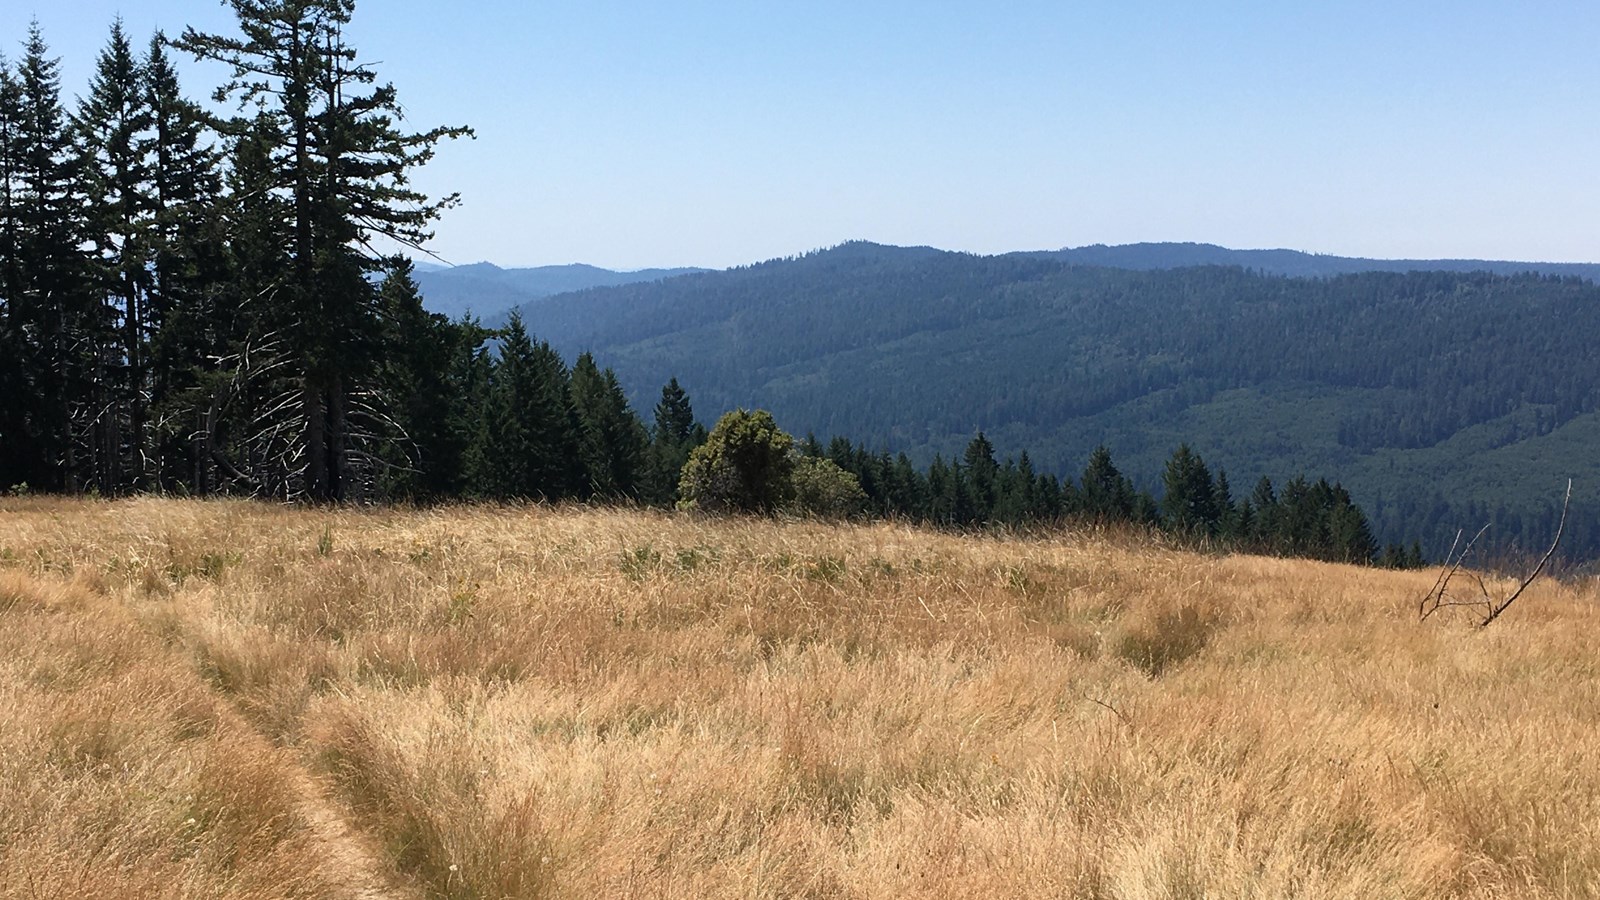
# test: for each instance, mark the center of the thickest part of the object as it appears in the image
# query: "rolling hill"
(1443, 399)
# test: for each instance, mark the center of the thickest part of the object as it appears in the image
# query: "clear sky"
(720, 133)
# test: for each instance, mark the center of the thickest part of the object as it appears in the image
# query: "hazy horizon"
(690, 264)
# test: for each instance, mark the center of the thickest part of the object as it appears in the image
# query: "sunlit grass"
(580, 703)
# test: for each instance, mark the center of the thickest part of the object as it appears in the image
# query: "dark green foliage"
(526, 443)
(1189, 501)
(425, 368)
(192, 304)
(54, 318)
(822, 489)
(612, 441)
(675, 435)
(745, 465)
(1104, 492)
(340, 166)
(1396, 383)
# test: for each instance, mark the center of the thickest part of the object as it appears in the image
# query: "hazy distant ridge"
(486, 290)
(489, 291)
(1296, 263)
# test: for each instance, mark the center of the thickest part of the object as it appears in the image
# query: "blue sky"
(707, 133)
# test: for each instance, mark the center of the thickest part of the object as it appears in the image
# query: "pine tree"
(675, 435)
(342, 169)
(612, 441)
(49, 302)
(419, 370)
(1189, 503)
(113, 127)
(17, 441)
(553, 428)
(188, 274)
(1104, 493)
(1264, 530)
(982, 472)
(1222, 501)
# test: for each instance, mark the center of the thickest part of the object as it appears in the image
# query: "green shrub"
(745, 465)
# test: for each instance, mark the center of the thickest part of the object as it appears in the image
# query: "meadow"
(235, 699)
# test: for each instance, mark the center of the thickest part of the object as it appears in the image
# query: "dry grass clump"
(534, 702)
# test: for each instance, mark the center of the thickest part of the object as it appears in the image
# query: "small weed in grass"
(693, 558)
(1015, 578)
(826, 568)
(638, 563)
(325, 541)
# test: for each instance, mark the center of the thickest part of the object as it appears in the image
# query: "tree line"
(192, 304)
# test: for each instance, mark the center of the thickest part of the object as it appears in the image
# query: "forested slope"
(1441, 399)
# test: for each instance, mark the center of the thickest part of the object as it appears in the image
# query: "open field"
(235, 699)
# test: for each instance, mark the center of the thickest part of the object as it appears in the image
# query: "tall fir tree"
(1105, 493)
(113, 129)
(190, 275)
(17, 443)
(343, 169)
(419, 369)
(1189, 502)
(673, 437)
(50, 303)
(612, 441)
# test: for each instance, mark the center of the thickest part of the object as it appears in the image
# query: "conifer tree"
(982, 471)
(419, 369)
(49, 302)
(1105, 493)
(189, 273)
(612, 441)
(17, 442)
(1189, 502)
(113, 127)
(342, 167)
(675, 435)
(1264, 528)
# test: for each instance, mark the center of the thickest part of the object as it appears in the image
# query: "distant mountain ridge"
(488, 291)
(1296, 263)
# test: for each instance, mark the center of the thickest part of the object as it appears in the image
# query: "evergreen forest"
(1442, 400)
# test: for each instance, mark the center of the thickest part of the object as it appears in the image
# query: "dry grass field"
(241, 700)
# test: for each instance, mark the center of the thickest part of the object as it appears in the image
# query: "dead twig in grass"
(1439, 597)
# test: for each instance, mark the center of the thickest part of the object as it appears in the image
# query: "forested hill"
(486, 290)
(1441, 399)
(1296, 263)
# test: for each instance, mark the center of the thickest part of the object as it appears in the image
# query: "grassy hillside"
(1440, 397)
(230, 699)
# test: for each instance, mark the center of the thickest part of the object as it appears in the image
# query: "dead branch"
(1439, 596)
(1560, 526)
(1435, 598)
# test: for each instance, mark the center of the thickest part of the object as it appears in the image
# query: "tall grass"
(535, 702)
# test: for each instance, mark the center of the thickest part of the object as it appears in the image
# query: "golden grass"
(535, 702)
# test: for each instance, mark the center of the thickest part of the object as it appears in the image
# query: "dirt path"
(355, 856)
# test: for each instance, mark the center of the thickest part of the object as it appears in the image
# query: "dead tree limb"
(1544, 561)
(1436, 598)
(1439, 596)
